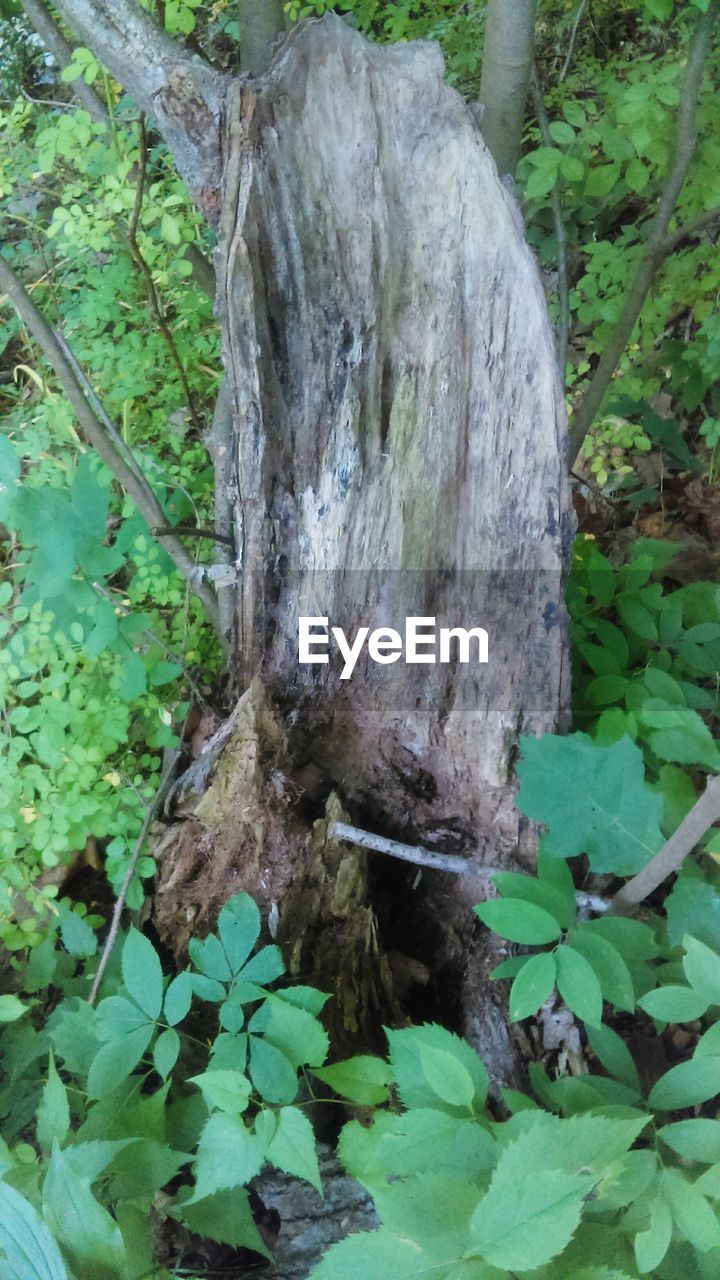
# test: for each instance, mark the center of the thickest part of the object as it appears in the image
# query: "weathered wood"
(399, 450)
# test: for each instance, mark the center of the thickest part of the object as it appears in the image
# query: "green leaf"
(292, 1147)
(606, 689)
(165, 1052)
(142, 973)
(28, 1247)
(702, 968)
(406, 1046)
(601, 180)
(294, 1031)
(638, 618)
(525, 1220)
(163, 672)
(693, 1216)
(693, 1139)
(637, 175)
(11, 1009)
(447, 1077)
(519, 921)
(223, 1089)
(208, 955)
(226, 1217)
(532, 986)
(674, 1004)
(397, 1146)
(610, 1049)
(169, 229)
(9, 476)
(693, 908)
(365, 1255)
(53, 1113)
(562, 133)
(558, 903)
(229, 1155)
(578, 986)
(76, 1219)
(272, 1073)
(363, 1079)
(652, 1245)
(608, 966)
(116, 1060)
(593, 799)
(178, 998)
(239, 929)
(78, 937)
(687, 1084)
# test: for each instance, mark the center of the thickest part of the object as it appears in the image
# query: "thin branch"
(573, 38)
(95, 431)
(670, 858)
(130, 872)
(405, 852)
(655, 248)
(697, 227)
(56, 44)
(191, 531)
(563, 292)
(152, 293)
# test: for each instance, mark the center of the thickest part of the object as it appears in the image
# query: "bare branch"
(181, 93)
(119, 907)
(102, 440)
(405, 852)
(690, 230)
(563, 324)
(56, 44)
(573, 38)
(670, 858)
(505, 79)
(656, 246)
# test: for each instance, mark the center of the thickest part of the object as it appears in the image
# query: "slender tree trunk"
(260, 23)
(398, 442)
(505, 80)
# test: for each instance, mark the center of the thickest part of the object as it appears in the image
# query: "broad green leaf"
(116, 1060)
(674, 1004)
(693, 1139)
(633, 939)
(610, 1049)
(652, 1245)
(608, 966)
(239, 929)
(396, 1146)
(178, 998)
(363, 1079)
(447, 1077)
(90, 1159)
(78, 938)
(606, 689)
(74, 1216)
(593, 800)
(294, 1031)
(558, 904)
(117, 1016)
(702, 968)
(9, 476)
(578, 986)
(532, 986)
(208, 955)
(691, 1212)
(272, 1073)
(693, 907)
(519, 921)
(225, 1090)
(229, 1155)
(139, 1171)
(142, 973)
(53, 1114)
(226, 1217)
(292, 1147)
(601, 180)
(412, 1084)
(29, 1250)
(374, 1254)
(165, 1052)
(510, 968)
(687, 1084)
(526, 1218)
(264, 968)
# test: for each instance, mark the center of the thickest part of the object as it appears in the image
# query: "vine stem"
(119, 907)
